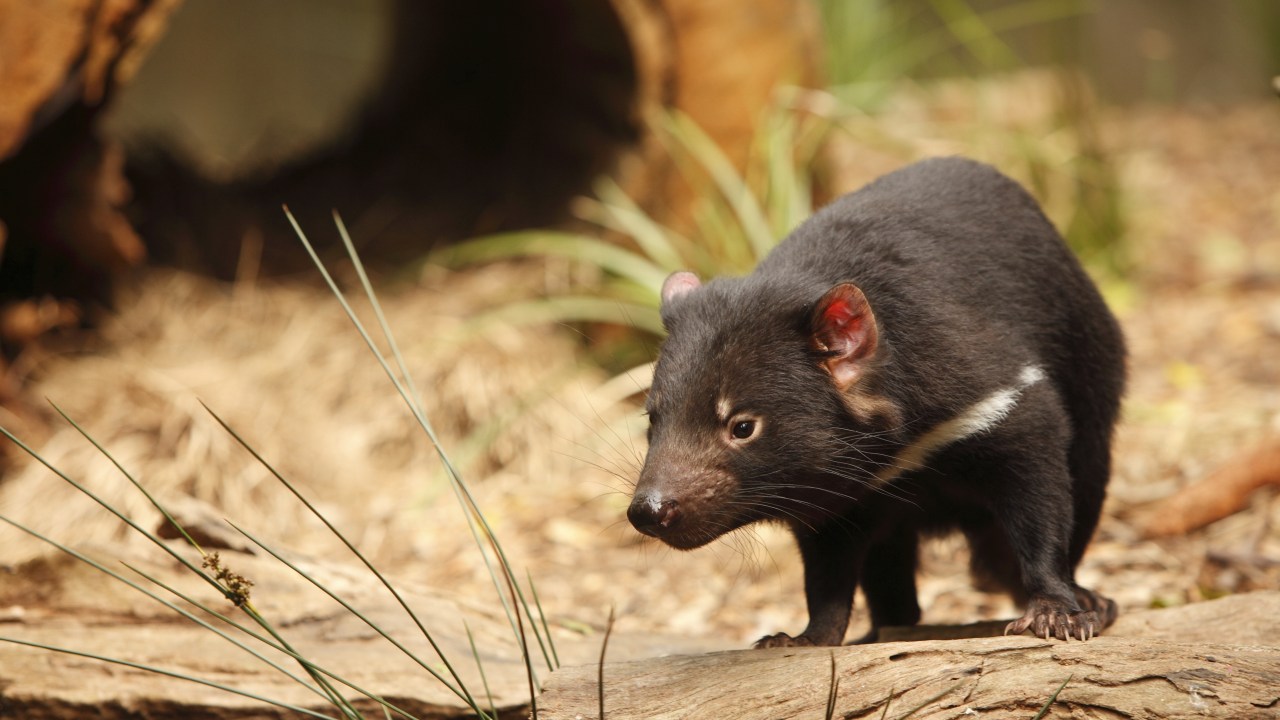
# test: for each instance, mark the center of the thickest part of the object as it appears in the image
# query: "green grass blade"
(421, 411)
(725, 176)
(188, 615)
(533, 590)
(107, 506)
(413, 401)
(459, 690)
(484, 679)
(262, 622)
(968, 26)
(566, 309)
(788, 197)
(619, 217)
(168, 673)
(733, 254)
(129, 476)
(1053, 698)
(269, 642)
(543, 243)
(659, 243)
(923, 47)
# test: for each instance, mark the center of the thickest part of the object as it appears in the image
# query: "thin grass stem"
(247, 607)
(276, 646)
(102, 568)
(524, 650)
(129, 476)
(414, 401)
(1052, 698)
(123, 518)
(484, 679)
(458, 690)
(833, 690)
(414, 406)
(542, 616)
(604, 649)
(887, 702)
(168, 673)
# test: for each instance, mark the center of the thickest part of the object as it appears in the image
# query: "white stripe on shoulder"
(973, 420)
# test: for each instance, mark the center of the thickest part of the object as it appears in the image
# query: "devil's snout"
(653, 515)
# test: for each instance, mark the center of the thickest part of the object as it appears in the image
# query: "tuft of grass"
(236, 587)
(738, 217)
(230, 584)
(404, 385)
(617, 264)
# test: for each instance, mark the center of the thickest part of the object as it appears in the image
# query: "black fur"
(969, 285)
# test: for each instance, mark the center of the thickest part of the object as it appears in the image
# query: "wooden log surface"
(1218, 659)
(62, 602)
(1211, 659)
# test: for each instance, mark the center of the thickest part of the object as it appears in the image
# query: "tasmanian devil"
(923, 355)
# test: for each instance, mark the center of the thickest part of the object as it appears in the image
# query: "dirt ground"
(550, 445)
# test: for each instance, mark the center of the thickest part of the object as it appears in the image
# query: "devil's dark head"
(754, 409)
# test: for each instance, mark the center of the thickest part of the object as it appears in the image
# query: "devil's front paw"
(1049, 618)
(1104, 606)
(784, 640)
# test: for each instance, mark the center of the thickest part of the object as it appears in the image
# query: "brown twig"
(1223, 493)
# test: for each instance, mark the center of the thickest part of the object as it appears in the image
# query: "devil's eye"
(743, 429)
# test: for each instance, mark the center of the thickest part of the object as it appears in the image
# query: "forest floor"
(550, 450)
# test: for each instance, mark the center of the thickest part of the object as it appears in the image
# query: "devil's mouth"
(688, 541)
(700, 534)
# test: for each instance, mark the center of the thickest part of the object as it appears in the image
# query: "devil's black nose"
(653, 515)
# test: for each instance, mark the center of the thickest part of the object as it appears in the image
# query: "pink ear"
(845, 328)
(678, 285)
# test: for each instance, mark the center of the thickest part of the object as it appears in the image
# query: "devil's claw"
(1048, 619)
(783, 640)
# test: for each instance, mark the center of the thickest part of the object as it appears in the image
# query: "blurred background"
(146, 147)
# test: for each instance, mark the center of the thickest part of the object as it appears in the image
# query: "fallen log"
(1217, 659)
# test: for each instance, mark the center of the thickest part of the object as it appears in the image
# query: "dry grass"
(282, 365)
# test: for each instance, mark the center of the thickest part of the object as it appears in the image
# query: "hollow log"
(485, 119)
(63, 230)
